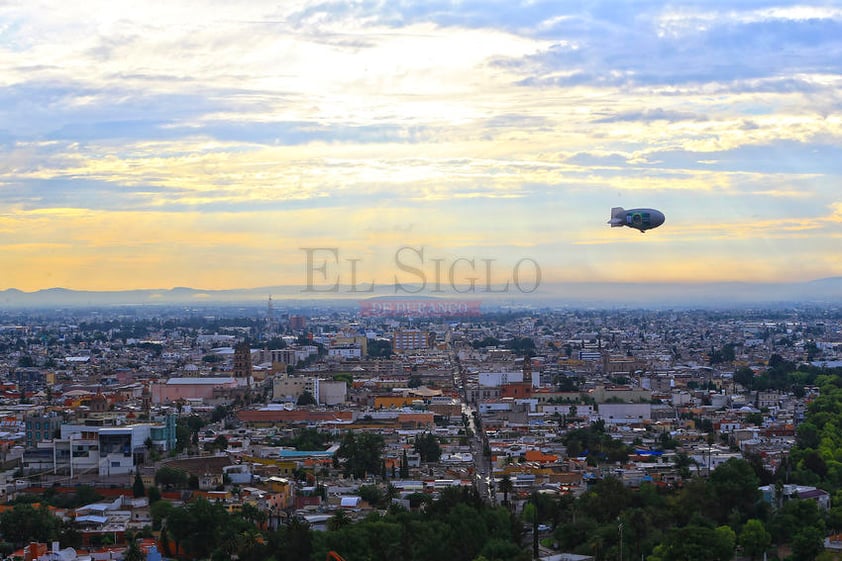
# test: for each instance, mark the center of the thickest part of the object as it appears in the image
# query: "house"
(350, 502)
(795, 492)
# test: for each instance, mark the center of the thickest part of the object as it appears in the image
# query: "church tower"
(242, 364)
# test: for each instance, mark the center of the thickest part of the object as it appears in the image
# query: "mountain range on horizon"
(611, 294)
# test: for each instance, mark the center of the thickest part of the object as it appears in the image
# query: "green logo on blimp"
(640, 219)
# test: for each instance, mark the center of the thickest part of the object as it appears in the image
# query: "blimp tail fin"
(618, 215)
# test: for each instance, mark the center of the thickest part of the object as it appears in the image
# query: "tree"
(160, 511)
(307, 439)
(171, 477)
(726, 354)
(219, 443)
(154, 495)
(724, 542)
(25, 523)
(133, 552)
(372, 494)
(734, 486)
(698, 543)
(390, 493)
(522, 346)
(150, 446)
(815, 463)
(138, 488)
(404, 468)
(206, 526)
(182, 436)
(530, 514)
(362, 453)
(306, 398)
(276, 343)
(807, 544)
(187, 431)
(195, 423)
(745, 377)
(165, 542)
(297, 543)
(249, 546)
(338, 521)
(607, 499)
(754, 539)
(596, 443)
(179, 526)
(794, 516)
(69, 535)
(219, 413)
(379, 348)
(506, 487)
(807, 435)
(428, 447)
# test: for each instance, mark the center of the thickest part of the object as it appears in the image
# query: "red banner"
(420, 308)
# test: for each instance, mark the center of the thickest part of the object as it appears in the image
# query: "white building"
(345, 352)
(332, 392)
(579, 410)
(103, 450)
(624, 413)
(497, 379)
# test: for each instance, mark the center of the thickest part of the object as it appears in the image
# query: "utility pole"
(620, 529)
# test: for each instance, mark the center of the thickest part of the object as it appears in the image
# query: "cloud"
(218, 131)
(597, 160)
(836, 212)
(687, 45)
(657, 114)
(783, 156)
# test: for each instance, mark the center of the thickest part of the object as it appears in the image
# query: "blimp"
(638, 218)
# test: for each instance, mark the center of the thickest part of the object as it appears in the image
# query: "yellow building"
(358, 340)
(282, 492)
(393, 401)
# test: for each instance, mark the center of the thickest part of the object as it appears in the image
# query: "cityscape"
(325, 280)
(301, 424)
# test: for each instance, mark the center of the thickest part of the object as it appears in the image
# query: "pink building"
(192, 388)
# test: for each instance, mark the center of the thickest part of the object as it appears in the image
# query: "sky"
(220, 145)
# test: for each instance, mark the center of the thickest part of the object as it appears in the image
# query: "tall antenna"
(270, 320)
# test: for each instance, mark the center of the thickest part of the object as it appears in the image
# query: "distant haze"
(652, 295)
